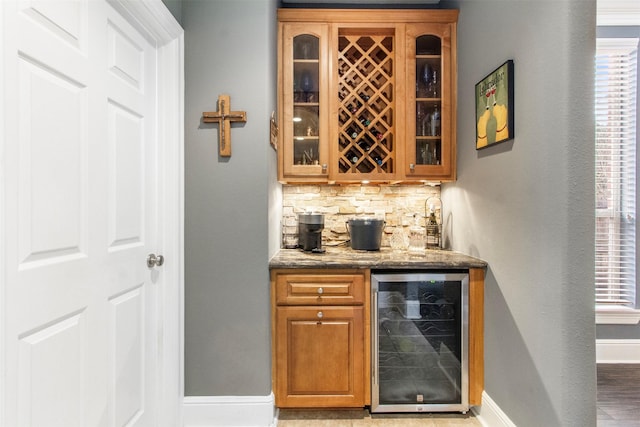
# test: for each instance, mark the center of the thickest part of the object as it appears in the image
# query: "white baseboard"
(618, 351)
(229, 411)
(490, 414)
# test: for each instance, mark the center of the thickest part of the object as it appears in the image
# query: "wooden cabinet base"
(320, 338)
(319, 357)
(476, 336)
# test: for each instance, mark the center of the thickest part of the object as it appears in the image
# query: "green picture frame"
(494, 107)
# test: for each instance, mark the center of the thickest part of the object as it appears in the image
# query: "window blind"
(615, 234)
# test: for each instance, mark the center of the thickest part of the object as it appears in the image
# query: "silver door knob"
(154, 260)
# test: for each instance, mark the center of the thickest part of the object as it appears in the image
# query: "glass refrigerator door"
(420, 343)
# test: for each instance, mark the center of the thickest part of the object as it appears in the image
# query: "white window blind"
(615, 234)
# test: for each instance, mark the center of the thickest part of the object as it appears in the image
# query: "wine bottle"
(365, 143)
(353, 108)
(306, 82)
(376, 133)
(364, 120)
(435, 122)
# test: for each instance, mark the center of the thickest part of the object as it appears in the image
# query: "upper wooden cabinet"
(303, 101)
(366, 95)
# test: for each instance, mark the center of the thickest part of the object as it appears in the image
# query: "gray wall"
(229, 48)
(175, 7)
(618, 332)
(526, 206)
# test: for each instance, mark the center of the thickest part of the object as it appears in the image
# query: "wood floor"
(619, 395)
(618, 406)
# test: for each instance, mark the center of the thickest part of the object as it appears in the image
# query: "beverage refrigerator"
(419, 341)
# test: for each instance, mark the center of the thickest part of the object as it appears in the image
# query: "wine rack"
(366, 84)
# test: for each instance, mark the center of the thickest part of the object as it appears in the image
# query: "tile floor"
(618, 406)
(362, 418)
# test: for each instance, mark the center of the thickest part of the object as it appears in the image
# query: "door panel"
(48, 358)
(127, 353)
(126, 186)
(319, 356)
(125, 57)
(80, 329)
(48, 138)
(128, 110)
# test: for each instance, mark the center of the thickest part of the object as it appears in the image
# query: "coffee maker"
(310, 226)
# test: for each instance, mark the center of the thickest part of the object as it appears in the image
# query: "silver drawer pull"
(320, 315)
(320, 291)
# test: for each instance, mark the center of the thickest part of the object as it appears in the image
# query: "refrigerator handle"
(374, 337)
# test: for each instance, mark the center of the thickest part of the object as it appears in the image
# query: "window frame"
(618, 314)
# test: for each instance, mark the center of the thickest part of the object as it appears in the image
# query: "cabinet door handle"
(320, 291)
(320, 315)
(412, 167)
(324, 168)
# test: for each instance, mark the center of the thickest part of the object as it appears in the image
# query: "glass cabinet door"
(430, 126)
(428, 101)
(304, 79)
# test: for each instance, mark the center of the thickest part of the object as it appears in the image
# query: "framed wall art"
(494, 107)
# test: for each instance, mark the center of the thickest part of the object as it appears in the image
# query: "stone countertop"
(386, 258)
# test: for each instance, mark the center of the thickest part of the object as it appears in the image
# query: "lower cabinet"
(320, 334)
(320, 360)
(321, 337)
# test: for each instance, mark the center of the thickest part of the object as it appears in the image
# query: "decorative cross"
(224, 117)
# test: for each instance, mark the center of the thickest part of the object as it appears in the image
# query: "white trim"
(618, 12)
(171, 135)
(490, 414)
(617, 351)
(229, 411)
(153, 19)
(3, 280)
(617, 316)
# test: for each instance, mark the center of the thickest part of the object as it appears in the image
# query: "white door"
(80, 217)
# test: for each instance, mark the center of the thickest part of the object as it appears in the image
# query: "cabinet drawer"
(320, 289)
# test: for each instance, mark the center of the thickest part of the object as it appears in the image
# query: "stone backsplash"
(396, 204)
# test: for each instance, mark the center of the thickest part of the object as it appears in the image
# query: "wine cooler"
(419, 341)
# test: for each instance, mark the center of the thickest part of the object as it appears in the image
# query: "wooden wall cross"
(224, 117)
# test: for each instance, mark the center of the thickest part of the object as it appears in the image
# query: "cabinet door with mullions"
(304, 97)
(431, 105)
